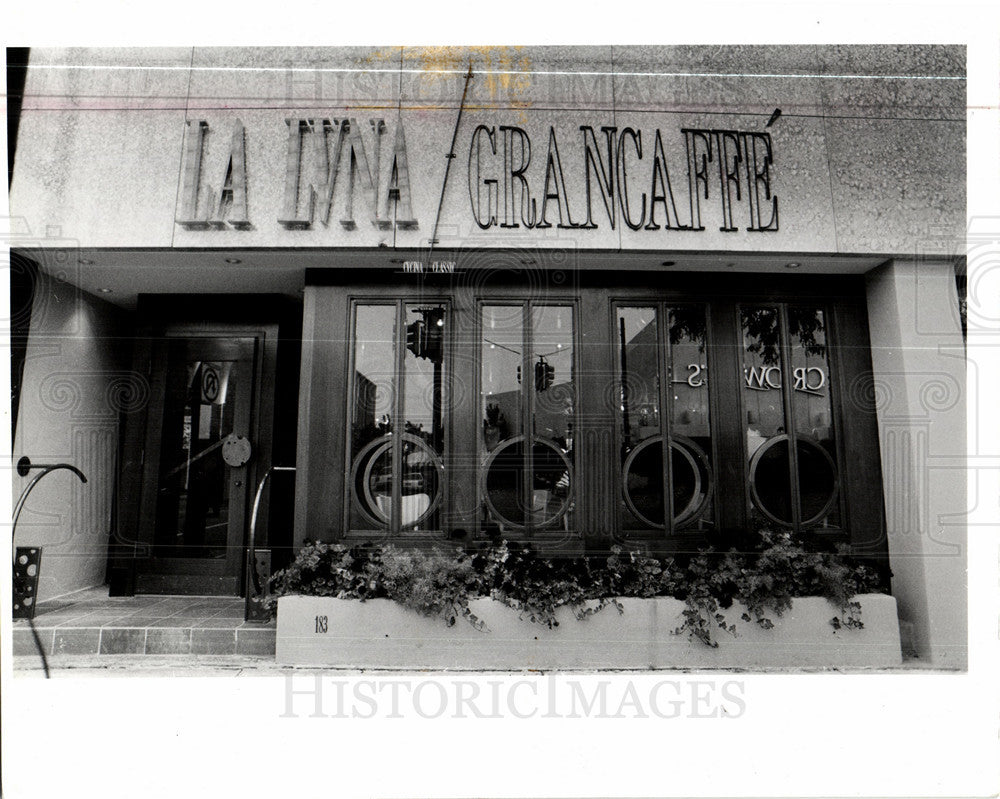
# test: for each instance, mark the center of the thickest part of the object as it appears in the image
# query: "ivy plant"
(764, 578)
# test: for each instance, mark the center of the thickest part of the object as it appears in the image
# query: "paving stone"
(95, 619)
(213, 642)
(132, 621)
(48, 620)
(255, 642)
(179, 622)
(24, 643)
(216, 623)
(122, 641)
(69, 641)
(204, 610)
(167, 641)
(230, 613)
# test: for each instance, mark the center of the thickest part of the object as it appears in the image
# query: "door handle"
(236, 450)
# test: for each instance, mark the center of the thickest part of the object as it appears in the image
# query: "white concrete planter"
(382, 634)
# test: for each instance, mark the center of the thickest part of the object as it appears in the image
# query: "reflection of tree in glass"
(369, 432)
(688, 324)
(418, 431)
(806, 323)
(762, 334)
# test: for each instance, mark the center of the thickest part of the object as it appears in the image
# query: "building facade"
(572, 295)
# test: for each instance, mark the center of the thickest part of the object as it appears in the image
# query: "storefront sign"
(764, 378)
(330, 141)
(629, 180)
(229, 204)
(432, 268)
(591, 178)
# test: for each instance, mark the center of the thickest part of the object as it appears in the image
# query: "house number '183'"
(321, 624)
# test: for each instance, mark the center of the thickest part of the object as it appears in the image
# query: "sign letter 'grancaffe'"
(726, 174)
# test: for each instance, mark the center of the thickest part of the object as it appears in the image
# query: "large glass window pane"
(501, 406)
(763, 400)
(553, 405)
(639, 418)
(812, 411)
(664, 409)
(192, 508)
(372, 409)
(790, 437)
(690, 433)
(422, 447)
(527, 457)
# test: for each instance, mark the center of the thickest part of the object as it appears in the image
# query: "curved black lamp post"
(24, 466)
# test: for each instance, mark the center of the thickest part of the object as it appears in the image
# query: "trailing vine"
(766, 580)
(435, 584)
(441, 584)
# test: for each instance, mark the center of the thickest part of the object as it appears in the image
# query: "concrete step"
(92, 623)
(165, 637)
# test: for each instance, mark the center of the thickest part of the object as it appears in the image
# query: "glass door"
(793, 474)
(197, 457)
(527, 406)
(663, 423)
(396, 415)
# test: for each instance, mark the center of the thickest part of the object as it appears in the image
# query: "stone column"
(918, 359)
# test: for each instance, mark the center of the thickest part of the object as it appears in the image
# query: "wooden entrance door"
(197, 464)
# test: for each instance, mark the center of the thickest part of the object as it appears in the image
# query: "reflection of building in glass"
(364, 401)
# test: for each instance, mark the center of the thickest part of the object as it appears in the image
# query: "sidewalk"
(155, 666)
(90, 633)
(90, 623)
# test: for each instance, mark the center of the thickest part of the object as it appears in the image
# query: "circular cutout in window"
(770, 487)
(642, 479)
(420, 481)
(551, 483)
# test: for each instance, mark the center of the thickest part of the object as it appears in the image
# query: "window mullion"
(666, 421)
(788, 392)
(833, 364)
(527, 416)
(399, 425)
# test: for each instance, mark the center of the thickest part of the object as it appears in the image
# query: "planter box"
(382, 634)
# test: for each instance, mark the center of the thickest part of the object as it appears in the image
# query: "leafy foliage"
(436, 583)
(336, 570)
(763, 333)
(514, 575)
(433, 584)
(766, 579)
(536, 586)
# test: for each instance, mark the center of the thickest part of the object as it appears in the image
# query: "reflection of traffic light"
(425, 337)
(416, 338)
(435, 334)
(545, 374)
